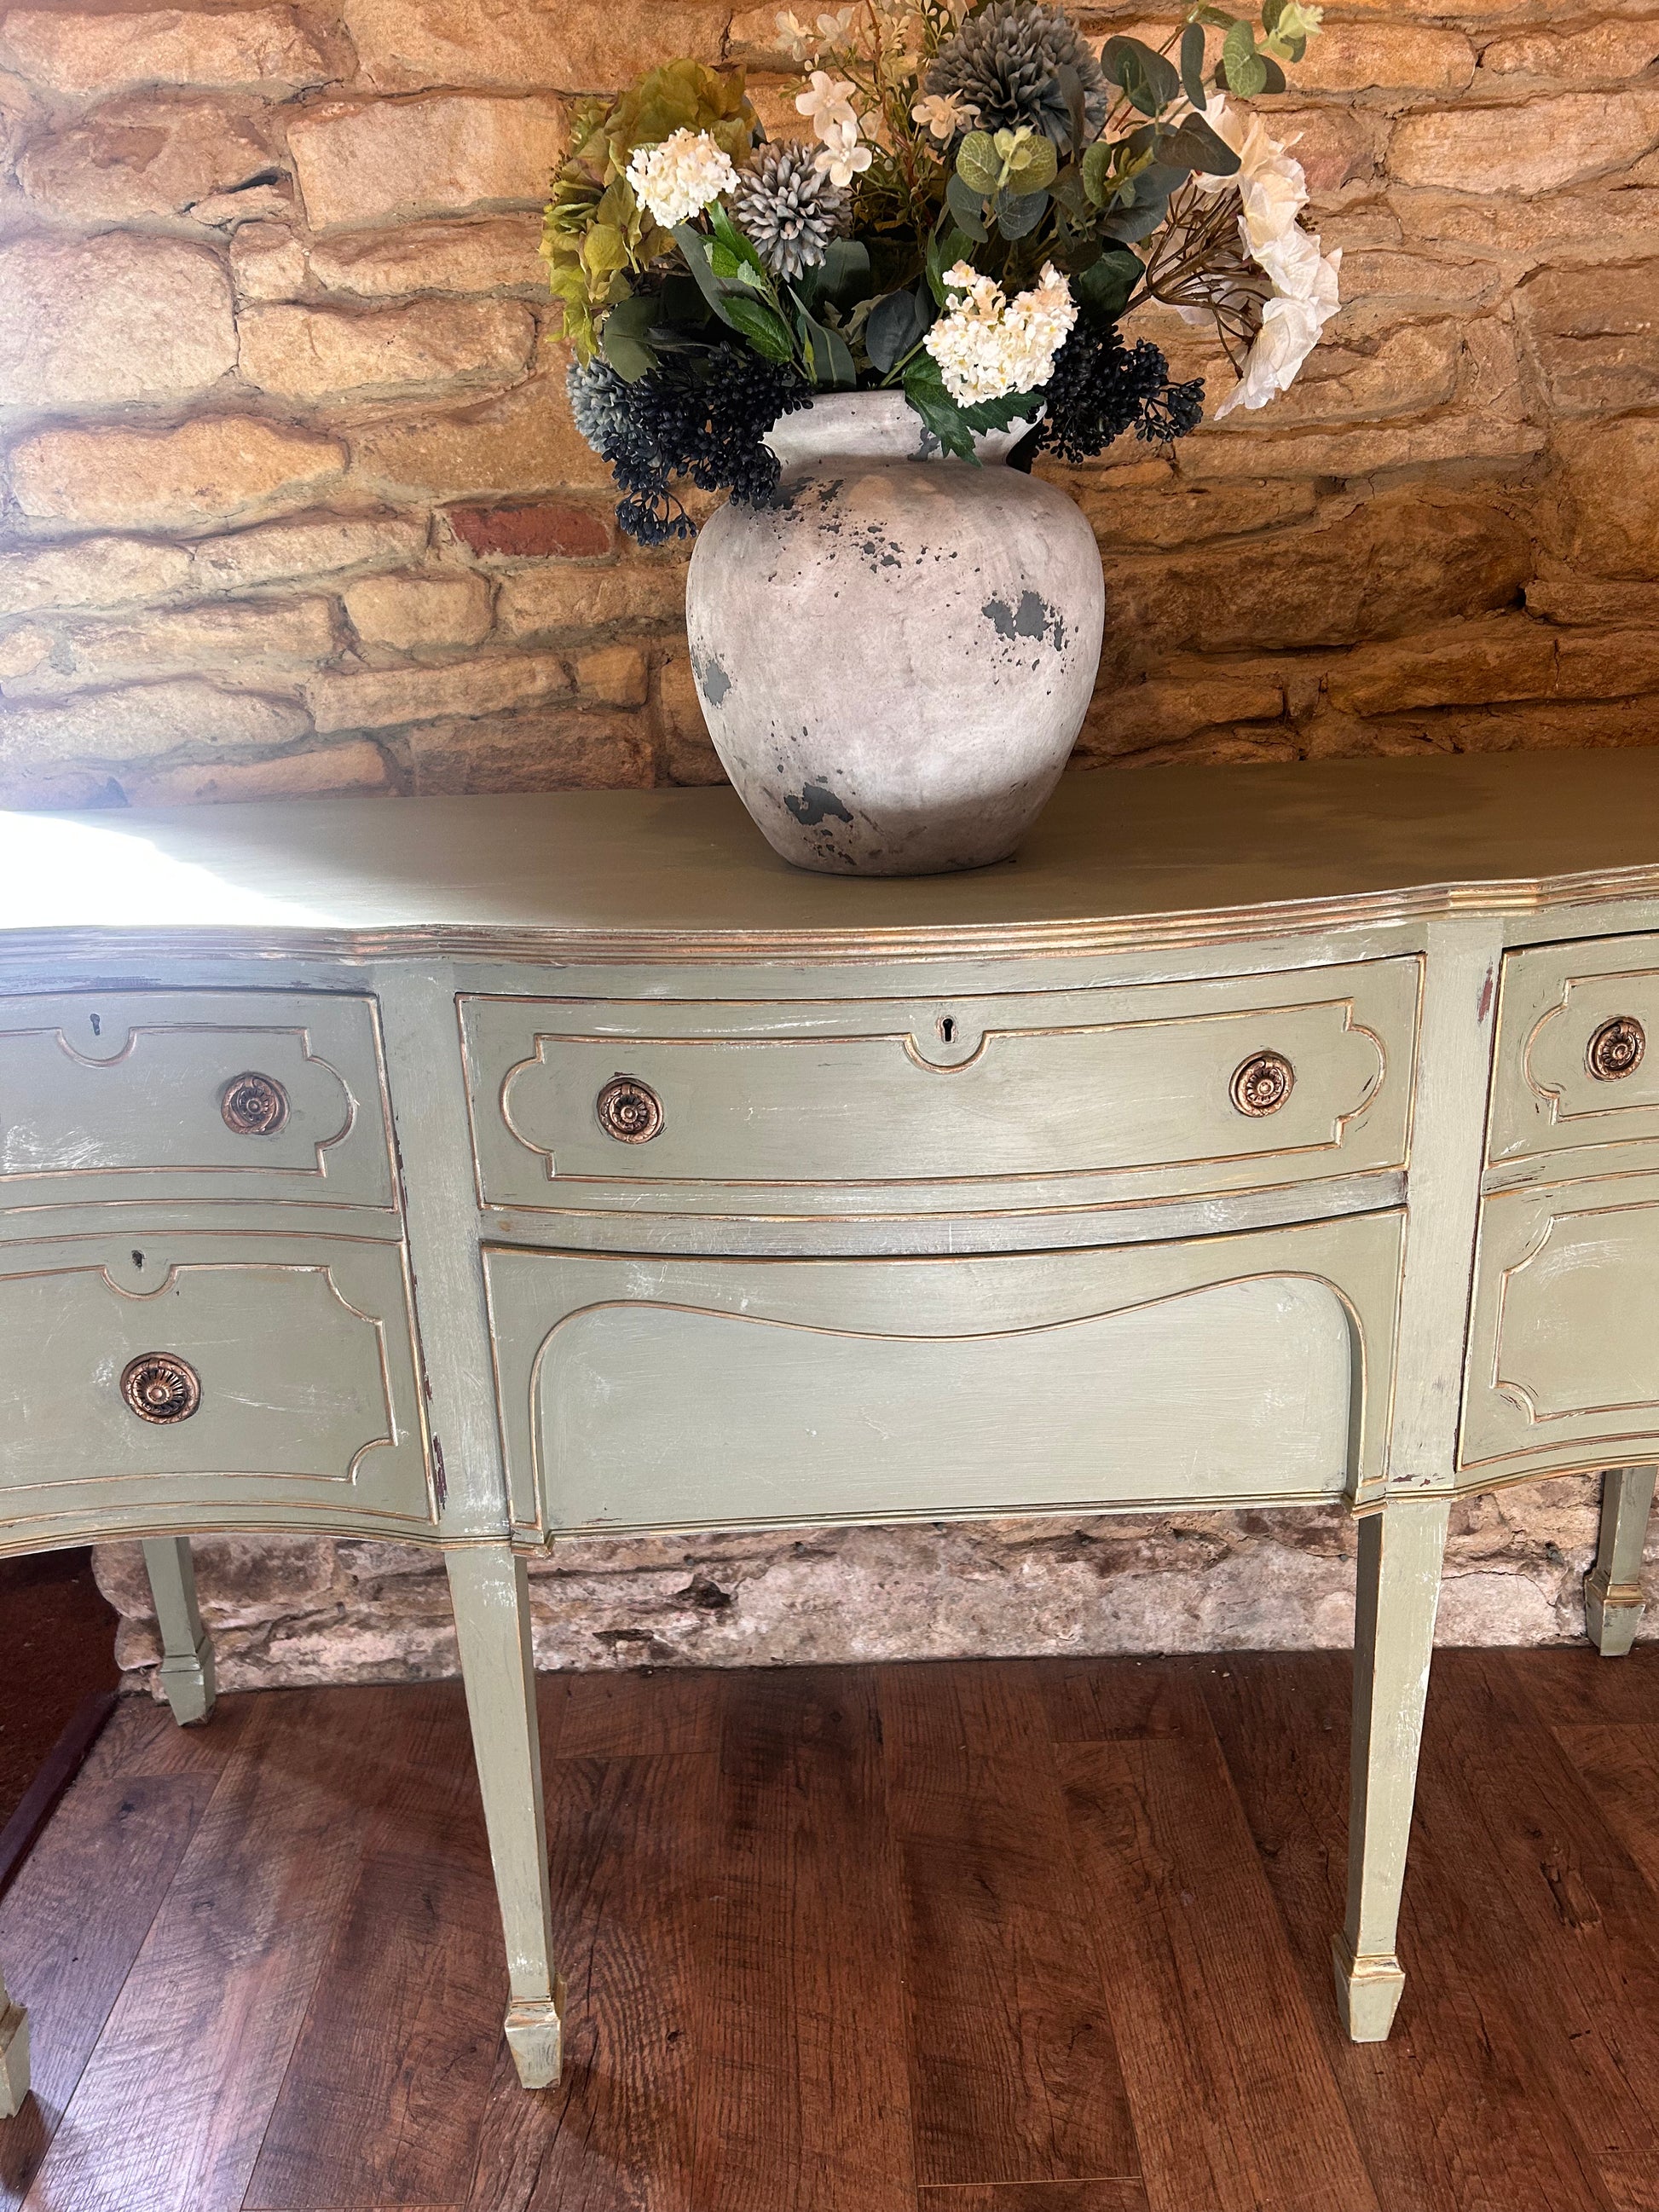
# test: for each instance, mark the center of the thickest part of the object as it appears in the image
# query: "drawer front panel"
(1577, 1057)
(663, 1393)
(1563, 1348)
(904, 1106)
(218, 1381)
(116, 1096)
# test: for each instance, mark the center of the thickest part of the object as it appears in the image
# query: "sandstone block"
(132, 158)
(75, 51)
(411, 613)
(1412, 370)
(89, 322)
(316, 353)
(1610, 477)
(317, 545)
(267, 262)
(615, 675)
(1467, 663)
(1568, 726)
(572, 45)
(441, 156)
(320, 772)
(1336, 146)
(1372, 449)
(491, 253)
(146, 721)
(93, 572)
(249, 639)
(548, 530)
(1533, 149)
(1385, 286)
(1594, 226)
(544, 749)
(689, 754)
(222, 469)
(1595, 334)
(1607, 664)
(29, 787)
(1608, 52)
(517, 445)
(24, 651)
(1391, 57)
(1572, 600)
(1188, 514)
(380, 698)
(536, 602)
(1132, 717)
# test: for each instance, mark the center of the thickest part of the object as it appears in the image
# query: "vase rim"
(870, 426)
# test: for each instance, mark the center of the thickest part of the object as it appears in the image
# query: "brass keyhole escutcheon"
(253, 1105)
(1616, 1048)
(1261, 1083)
(159, 1385)
(629, 1110)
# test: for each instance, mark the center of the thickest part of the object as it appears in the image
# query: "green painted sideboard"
(473, 1171)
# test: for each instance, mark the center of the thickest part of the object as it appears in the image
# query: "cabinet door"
(907, 1106)
(120, 1096)
(1563, 1341)
(1577, 1067)
(651, 1393)
(207, 1382)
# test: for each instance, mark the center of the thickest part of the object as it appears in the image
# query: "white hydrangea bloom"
(987, 347)
(679, 178)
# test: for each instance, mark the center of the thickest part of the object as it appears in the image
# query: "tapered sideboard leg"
(14, 2055)
(1612, 1587)
(187, 1680)
(491, 1597)
(1400, 1554)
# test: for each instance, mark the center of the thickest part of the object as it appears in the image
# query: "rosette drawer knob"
(1616, 1048)
(1261, 1083)
(629, 1110)
(160, 1387)
(253, 1105)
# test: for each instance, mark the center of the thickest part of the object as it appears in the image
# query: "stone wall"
(293, 507)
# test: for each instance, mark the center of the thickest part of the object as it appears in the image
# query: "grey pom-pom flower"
(1004, 62)
(789, 209)
(596, 397)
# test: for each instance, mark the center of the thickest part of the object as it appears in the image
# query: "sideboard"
(473, 1171)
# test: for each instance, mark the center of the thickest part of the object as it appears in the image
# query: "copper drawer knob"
(253, 1105)
(629, 1110)
(1262, 1083)
(1616, 1048)
(158, 1386)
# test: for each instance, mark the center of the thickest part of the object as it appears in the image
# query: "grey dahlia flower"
(1004, 63)
(596, 403)
(790, 209)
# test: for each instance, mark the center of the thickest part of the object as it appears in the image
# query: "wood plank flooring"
(999, 1937)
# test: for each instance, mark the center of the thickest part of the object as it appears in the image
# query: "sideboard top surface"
(1158, 855)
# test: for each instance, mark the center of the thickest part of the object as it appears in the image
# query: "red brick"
(550, 530)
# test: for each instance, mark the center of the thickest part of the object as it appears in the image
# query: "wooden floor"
(997, 1937)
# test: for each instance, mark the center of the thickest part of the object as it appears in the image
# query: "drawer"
(1562, 1369)
(650, 1393)
(207, 1382)
(133, 1095)
(902, 1106)
(1577, 1065)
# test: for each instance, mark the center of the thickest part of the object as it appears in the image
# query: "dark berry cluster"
(701, 414)
(1101, 388)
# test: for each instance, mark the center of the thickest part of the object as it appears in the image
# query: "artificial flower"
(1272, 188)
(842, 156)
(678, 177)
(945, 114)
(987, 346)
(1304, 298)
(793, 33)
(827, 102)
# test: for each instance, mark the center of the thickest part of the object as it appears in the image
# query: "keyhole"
(137, 1259)
(97, 1026)
(947, 1029)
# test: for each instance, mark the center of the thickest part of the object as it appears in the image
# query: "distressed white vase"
(894, 656)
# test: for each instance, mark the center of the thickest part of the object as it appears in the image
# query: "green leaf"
(1096, 172)
(1275, 75)
(968, 207)
(1242, 67)
(734, 240)
(844, 275)
(1000, 414)
(897, 324)
(1018, 214)
(765, 330)
(1069, 85)
(1033, 164)
(623, 334)
(1105, 285)
(828, 357)
(693, 247)
(1149, 82)
(1192, 65)
(978, 163)
(924, 388)
(1196, 146)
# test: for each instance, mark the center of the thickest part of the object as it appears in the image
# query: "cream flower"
(987, 347)
(793, 33)
(827, 101)
(1272, 188)
(842, 156)
(945, 114)
(679, 178)
(1304, 298)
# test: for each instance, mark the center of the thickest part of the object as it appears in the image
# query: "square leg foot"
(533, 2038)
(1611, 1611)
(14, 2060)
(188, 1684)
(1368, 1992)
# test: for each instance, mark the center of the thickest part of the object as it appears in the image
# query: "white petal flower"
(841, 156)
(945, 114)
(827, 98)
(987, 347)
(835, 26)
(793, 33)
(1272, 187)
(1304, 298)
(678, 179)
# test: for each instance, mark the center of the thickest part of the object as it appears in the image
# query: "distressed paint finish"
(1612, 1587)
(187, 1669)
(895, 654)
(1042, 1293)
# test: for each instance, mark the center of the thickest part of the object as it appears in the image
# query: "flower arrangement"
(982, 201)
